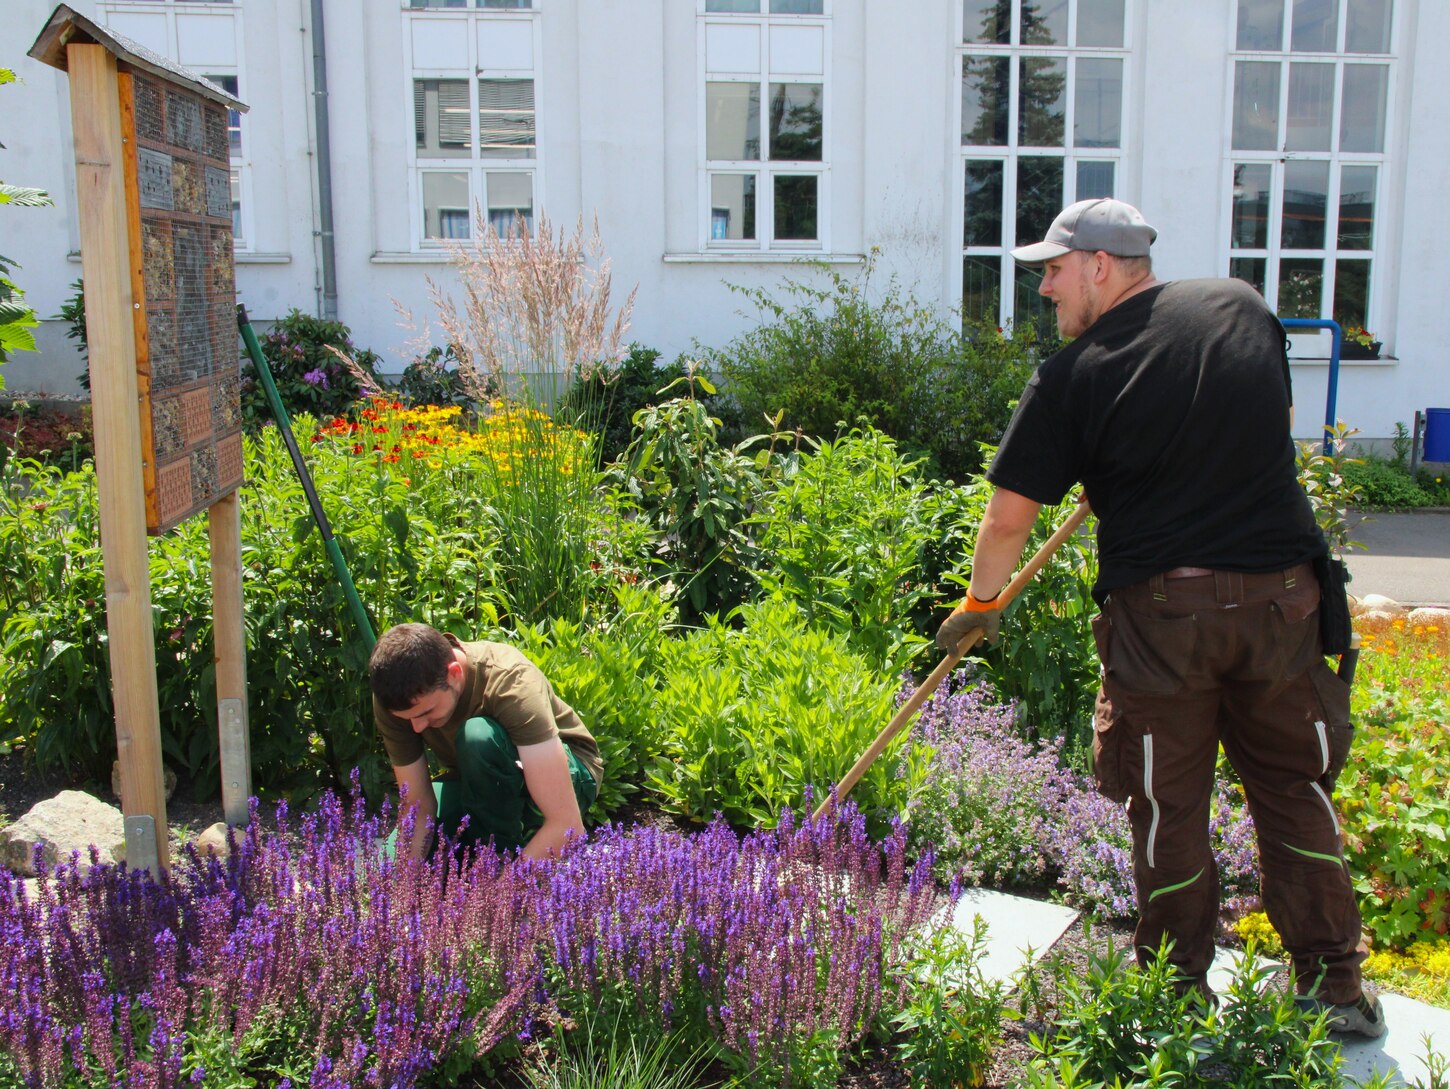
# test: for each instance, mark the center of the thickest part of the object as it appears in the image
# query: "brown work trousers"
(1235, 658)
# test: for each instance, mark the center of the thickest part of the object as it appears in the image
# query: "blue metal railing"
(1333, 394)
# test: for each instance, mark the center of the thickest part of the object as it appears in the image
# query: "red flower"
(357, 448)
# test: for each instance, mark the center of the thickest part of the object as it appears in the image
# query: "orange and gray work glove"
(968, 616)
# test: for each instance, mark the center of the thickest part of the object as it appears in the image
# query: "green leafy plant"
(1381, 485)
(610, 1054)
(309, 374)
(609, 402)
(16, 318)
(843, 534)
(953, 1017)
(73, 313)
(433, 379)
(756, 715)
(1324, 477)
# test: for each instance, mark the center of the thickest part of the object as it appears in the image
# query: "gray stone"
(1378, 604)
(1430, 616)
(71, 821)
(214, 841)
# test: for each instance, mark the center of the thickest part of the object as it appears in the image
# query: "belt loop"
(1159, 586)
(1289, 579)
(1228, 587)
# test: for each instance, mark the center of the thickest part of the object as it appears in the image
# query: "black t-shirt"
(1172, 410)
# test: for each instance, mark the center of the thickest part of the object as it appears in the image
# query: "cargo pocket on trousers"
(1297, 634)
(1149, 654)
(1109, 764)
(1336, 730)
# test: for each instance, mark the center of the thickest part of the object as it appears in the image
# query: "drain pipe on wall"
(324, 164)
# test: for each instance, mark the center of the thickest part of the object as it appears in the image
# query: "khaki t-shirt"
(501, 684)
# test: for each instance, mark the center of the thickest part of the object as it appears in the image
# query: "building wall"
(619, 114)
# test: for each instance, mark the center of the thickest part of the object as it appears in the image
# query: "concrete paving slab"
(1405, 556)
(1015, 925)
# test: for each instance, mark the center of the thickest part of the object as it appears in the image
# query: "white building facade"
(1303, 145)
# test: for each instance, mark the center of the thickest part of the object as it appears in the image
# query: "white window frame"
(1377, 255)
(243, 234)
(466, 21)
(764, 170)
(1011, 152)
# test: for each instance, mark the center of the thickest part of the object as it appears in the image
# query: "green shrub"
(1381, 485)
(828, 356)
(843, 535)
(309, 377)
(608, 403)
(755, 715)
(433, 379)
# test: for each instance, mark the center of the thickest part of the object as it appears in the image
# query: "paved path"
(1018, 926)
(1405, 557)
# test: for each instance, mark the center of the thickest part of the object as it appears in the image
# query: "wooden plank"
(224, 526)
(106, 266)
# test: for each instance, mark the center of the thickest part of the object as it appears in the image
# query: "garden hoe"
(968, 641)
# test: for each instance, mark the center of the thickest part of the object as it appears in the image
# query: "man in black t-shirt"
(1171, 406)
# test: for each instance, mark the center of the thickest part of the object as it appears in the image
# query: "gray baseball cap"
(1100, 224)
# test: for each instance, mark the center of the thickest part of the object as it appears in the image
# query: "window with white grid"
(473, 91)
(1042, 125)
(1312, 83)
(764, 134)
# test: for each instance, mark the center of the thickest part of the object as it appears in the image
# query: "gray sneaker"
(1362, 1017)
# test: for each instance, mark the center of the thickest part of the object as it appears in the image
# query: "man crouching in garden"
(517, 761)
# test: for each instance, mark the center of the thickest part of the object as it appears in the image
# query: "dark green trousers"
(488, 788)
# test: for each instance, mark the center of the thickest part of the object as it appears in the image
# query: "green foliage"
(843, 535)
(603, 1054)
(953, 1018)
(433, 379)
(753, 716)
(828, 356)
(1124, 1026)
(1325, 479)
(73, 313)
(697, 495)
(46, 434)
(618, 396)
(16, 318)
(1382, 485)
(309, 377)
(609, 674)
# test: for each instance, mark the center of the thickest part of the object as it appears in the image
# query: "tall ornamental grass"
(311, 957)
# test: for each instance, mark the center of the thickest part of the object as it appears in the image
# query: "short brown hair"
(409, 661)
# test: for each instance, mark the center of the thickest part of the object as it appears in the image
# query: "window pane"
(732, 207)
(732, 121)
(1256, 106)
(505, 3)
(1250, 230)
(445, 204)
(986, 85)
(1039, 197)
(1362, 113)
(1028, 303)
(1042, 108)
(1356, 207)
(987, 21)
(1250, 270)
(506, 118)
(1044, 22)
(1098, 108)
(236, 187)
(981, 286)
(1094, 180)
(1099, 23)
(439, 3)
(440, 117)
(1314, 28)
(797, 7)
(1369, 26)
(732, 5)
(510, 200)
(234, 117)
(1306, 202)
(1261, 24)
(1301, 287)
(795, 121)
(982, 203)
(1311, 107)
(1351, 292)
(795, 207)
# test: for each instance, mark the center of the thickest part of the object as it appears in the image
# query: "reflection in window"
(1251, 270)
(986, 92)
(1261, 24)
(1256, 106)
(445, 204)
(732, 121)
(1039, 196)
(1309, 124)
(795, 122)
(981, 286)
(1351, 292)
(1368, 29)
(728, 6)
(440, 117)
(1362, 117)
(1044, 22)
(1306, 204)
(1100, 24)
(510, 200)
(987, 21)
(732, 207)
(1094, 180)
(796, 7)
(1251, 205)
(506, 118)
(1315, 26)
(982, 203)
(1356, 207)
(1098, 103)
(796, 207)
(1301, 287)
(1042, 106)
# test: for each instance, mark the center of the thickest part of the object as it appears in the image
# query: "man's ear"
(455, 671)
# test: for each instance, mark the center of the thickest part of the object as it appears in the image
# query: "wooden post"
(224, 526)
(110, 301)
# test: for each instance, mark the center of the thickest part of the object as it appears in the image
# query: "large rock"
(215, 841)
(1430, 616)
(71, 821)
(1377, 605)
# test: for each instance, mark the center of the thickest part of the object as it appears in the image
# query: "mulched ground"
(21, 787)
